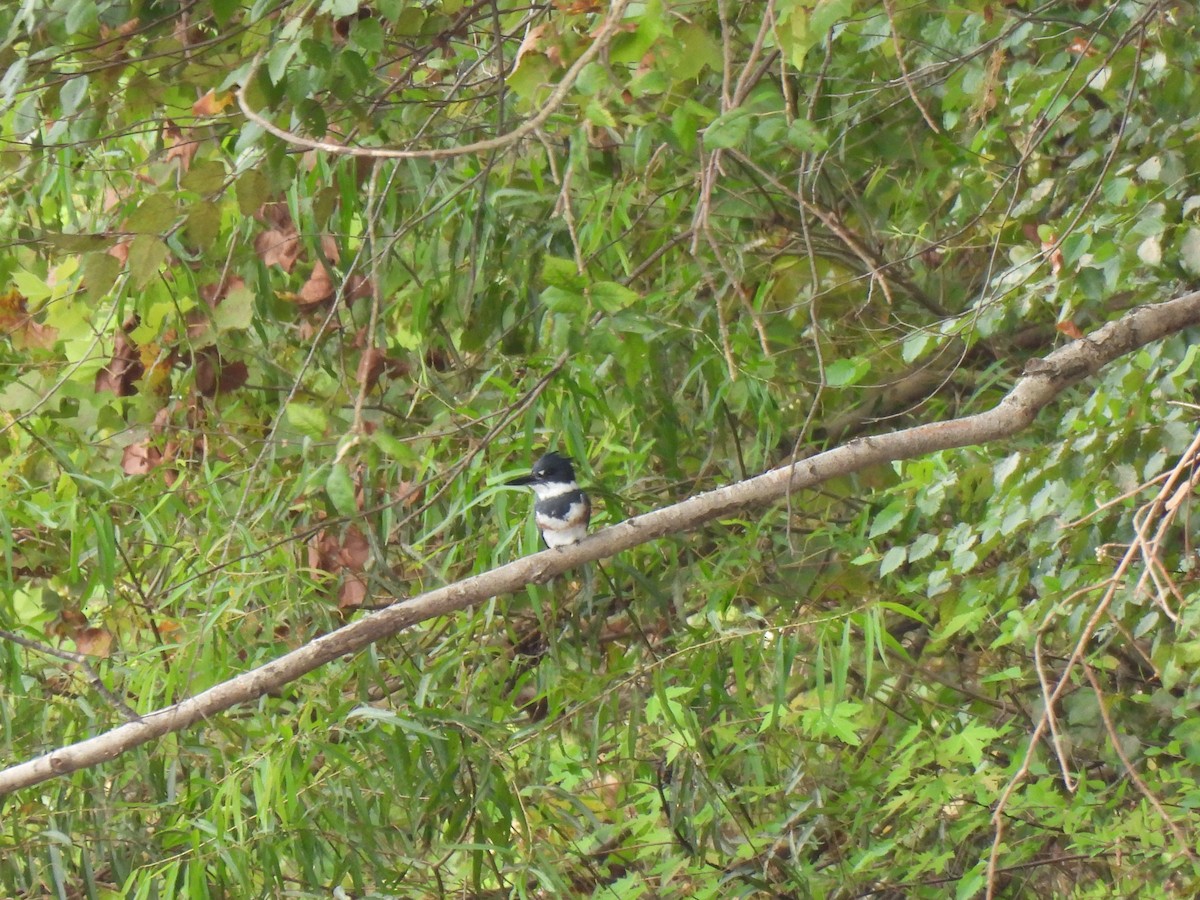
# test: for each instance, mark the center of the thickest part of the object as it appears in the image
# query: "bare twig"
(1111, 585)
(557, 97)
(1115, 740)
(890, 6)
(80, 660)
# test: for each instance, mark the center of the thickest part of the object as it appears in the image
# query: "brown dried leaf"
(35, 334)
(1070, 329)
(352, 593)
(233, 376)
(213, 294)
(278, 248)
(330, 248)
(162, 420)
(370, 367)
(141, 458)
(120, 251)
(327, 554)
(355, 550)
(933, 256)
(277, 215)
(113, 196)
(123, 369)
(318, 288)
(215, 376)
(69, 623)
(1081, 46)
(438, 359)
(1053, 253)
(322, 552)
(530, 44)
(12, 310)
(357, 287)
(178, 146)
(20, 326)
(94, 642)
(409, 493)
(212, 103)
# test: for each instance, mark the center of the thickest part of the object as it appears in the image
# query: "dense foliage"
(255, 380)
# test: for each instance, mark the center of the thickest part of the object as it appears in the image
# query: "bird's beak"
(521, 482)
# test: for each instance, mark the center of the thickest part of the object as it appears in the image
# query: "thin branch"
(79, 659)
(557, 97)
(1044, 380)
(890, 7)
(1114, 738)
(1111, 586)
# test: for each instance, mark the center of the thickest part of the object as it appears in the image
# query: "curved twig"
(603, 35)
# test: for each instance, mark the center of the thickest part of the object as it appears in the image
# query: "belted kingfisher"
(562, 510)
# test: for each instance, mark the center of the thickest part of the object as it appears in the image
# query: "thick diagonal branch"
(1044, 380)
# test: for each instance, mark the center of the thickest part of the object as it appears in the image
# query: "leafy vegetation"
(291, 289)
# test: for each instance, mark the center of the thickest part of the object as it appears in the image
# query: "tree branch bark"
(1044, 379)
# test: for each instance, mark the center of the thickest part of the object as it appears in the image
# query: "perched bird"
(562, 510)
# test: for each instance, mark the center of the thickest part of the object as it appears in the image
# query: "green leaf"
(612, 297)
(846, 372)
(649, 83)
(154, 215)
(307, 419)
(698, 49)
(406, 725)
(1185, 364)
(203, 225)
(914, 346)
(100, 271)
(972, 883)
(1004, 469)
(632, 47)
(598, 114)
(253, 190)
(12, 80)
(146, 254)
(224, 9)
(396, 449)
(891, 516)
(76, 243)
(367, 34)
(72, 94)
(313, 116)
(804, 135)
(968, 619)
(33, 286)
(809, 25)
(561, 301)
(82, 16)
(728, 130)
(561, 273)
(339, 486)
(529, 79)
(280, 54)
(1189, 251)
(922, 547)
(236, 311)
(892, 560)
(206, 176)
